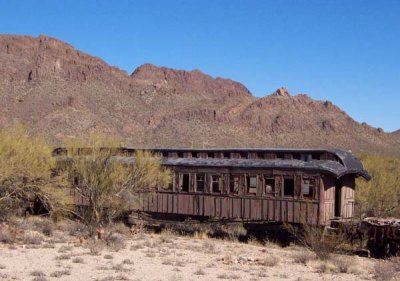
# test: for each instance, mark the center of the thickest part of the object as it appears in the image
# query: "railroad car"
(312, 186)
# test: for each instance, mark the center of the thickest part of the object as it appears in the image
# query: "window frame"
(232, 177)
(220, 184)
(312, 187)
(292, 178)
(196, 182)
(248, 182)
(181, 181)
(273, 187)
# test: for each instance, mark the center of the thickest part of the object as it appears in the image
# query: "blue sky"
(340, 50)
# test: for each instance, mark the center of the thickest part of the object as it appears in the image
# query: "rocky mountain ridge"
(59, 91)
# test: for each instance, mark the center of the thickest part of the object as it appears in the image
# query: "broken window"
(288, 186)
(200, 182)
(269, 186)
(216, 184)
(308, 187)
(251, 184)
(184, 183)
(234, 184)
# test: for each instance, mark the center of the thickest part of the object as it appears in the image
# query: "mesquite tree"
(109, 183)
(27, 173)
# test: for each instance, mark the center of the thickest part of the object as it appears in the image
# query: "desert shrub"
(27, 174)
(314, 239)
(32, 237)
(381, 196)
(116, 242)
(63, 257)
(303, 257)
(127, 261)
(387, 270)
(76, 228)
(40, 278)
(199, 272)
(45, 226)
(269, 261)
(78, 260)
(6, 236)
(65, 249)
(108, 257)
(95, 247)
(120, 228)
(37, 273)
(60, 273)
(110, 184)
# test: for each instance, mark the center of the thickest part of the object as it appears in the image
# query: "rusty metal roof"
(347, 163)
(325, 166)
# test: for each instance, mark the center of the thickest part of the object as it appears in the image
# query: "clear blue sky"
(340, 50)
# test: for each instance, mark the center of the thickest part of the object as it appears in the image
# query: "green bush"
(381, 196)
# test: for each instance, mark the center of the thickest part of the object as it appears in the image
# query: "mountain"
(56, 90)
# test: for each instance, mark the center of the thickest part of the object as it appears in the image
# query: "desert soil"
(165, 256)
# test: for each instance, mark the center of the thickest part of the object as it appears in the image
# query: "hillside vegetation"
(380, 196)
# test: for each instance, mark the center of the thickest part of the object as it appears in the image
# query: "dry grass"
(303, 257)
(115, 242)
(199, 272)
(40, 278)
(7, 237)
(63, 257)
(37, 273)
(60, 273)
(95, 247)
(269, 261)
(228, 276)
(137, 246)
(127, 262)
(32, 237)
(200, 235)
(119, 228)
(387, 270)
(78, 260)
(65, 249)
(108, 257)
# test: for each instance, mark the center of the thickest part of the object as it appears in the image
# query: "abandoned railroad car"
(255, 185)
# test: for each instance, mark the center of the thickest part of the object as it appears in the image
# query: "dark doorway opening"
(185, 183)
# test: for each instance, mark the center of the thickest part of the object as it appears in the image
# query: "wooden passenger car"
(268, 185)
(256, 185)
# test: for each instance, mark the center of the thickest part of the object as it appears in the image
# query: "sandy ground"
(165, 256)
